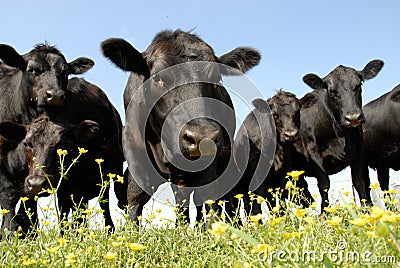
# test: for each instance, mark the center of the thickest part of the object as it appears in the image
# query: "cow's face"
(197, 134)
(343, 87)
(39, 142)
(285, 108)
(45, 71)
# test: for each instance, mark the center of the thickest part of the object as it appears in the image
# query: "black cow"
(331, 131)
(201, 140)
(86, 119)
(381, 137)
(285, 109)
(37, 77)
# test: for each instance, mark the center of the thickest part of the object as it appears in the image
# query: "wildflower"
(70, 258)
(239, 196)
(389, 217)
(358, 222)
(220, 203)
(158, 210)
(331, 209)
(46, 223)
(121, 238)
(24, 199)
(293, 234)
(275, 209)
(259, 199)
(309, 220)
(295, 174)
(393, 191)
(136, 246)
(376, 212)
(120, 179)
(53, 249)
(61, 152)
(289, 185)
(346, 193)
(275, 221)
(28, 262)
(4, 211)
(209, 202)
(99, 161)
(265, 248)
(334, 221)
(116, 244)
(255, 219)
(374, 186)
(111, 176)
(62, 241)
(82, 150)
(110, 255)
(217, 229)
(300, 212)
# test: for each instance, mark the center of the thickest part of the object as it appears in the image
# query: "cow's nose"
(291, 135)
(354, 119)
(35, 184)
(200, 143)
(54, 97)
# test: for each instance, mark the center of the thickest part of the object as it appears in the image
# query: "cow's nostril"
(290, 135)
(49, 95)
(188, 137)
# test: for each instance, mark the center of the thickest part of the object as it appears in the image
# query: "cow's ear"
(395, 95)
(11, 57)
(124, 56)
(80, 65)
(314, 81)
(308, 100)
(88, 130)
(261, 105)
(12, 131)
(371, 69)
(241, 59)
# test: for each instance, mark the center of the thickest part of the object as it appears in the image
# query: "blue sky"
(294, 37)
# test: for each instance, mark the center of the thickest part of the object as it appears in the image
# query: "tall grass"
(287, 236)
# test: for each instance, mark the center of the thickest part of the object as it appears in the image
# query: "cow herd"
(179, 127)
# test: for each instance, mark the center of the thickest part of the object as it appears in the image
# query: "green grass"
(344, 236)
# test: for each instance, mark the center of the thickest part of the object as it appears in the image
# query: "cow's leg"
(323, 184)
(65, 205)
(360, 179)
(383, 177)
(136, 197)
(8, 200)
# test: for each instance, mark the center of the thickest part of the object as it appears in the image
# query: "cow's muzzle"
(34, 184)
(200, 141)
(354, 119)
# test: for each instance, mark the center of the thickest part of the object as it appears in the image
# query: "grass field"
(288, 236)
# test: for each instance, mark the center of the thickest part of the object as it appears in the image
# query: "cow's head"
(343, 86)
(285, 108)
(198, 136)
(45, 71)
(38, 144)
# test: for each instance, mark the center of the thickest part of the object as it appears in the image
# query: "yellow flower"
(62, 241)
(376, 212)
(116, 244)
(331, 209)
(309, 220)
(46, 223)
(82, 150)
(121, 238)
(4, 211)
(295, 174)
(61, 152)
(273, 222)
(24, 199)
(259, 199)
(110, 255)
(99, 161)
(289, 185)
(120, 179)
(275, 209)
(217, 229)
(209, 202)
(239, 196)
(111, 176)
(265, 248)
(255, 218)
(293, 234)
(53, 249)
(346, 193)
(300, 212)
(389, 217)
(221, 203)
(334, 221)
(136, 246)
(374, 186)
(358, 222)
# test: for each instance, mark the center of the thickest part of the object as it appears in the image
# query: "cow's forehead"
(343, 75)
(44, 130)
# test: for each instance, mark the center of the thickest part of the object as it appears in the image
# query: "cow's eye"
(34, 71)
(276, 116)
